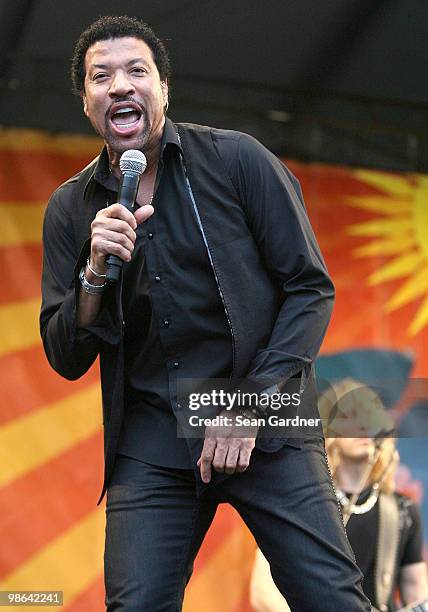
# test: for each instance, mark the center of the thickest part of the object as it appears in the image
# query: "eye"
(99, 76)
(138, 70)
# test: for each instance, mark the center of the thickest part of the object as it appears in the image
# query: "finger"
(244, 459)
(117, 211)
(110, 243)
(231, 459)
(105, 248)
(101, 234)
(143, 213)
(112, 224)
(111, 236)
(220, 454)
(206, 458)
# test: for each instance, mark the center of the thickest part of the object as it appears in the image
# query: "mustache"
(125, 99)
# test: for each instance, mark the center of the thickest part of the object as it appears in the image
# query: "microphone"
(132, 165)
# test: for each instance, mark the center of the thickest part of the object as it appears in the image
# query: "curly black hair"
(109, 27)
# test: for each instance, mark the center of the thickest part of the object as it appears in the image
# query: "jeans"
(156, 523)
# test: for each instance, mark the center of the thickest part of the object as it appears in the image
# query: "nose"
(120, 85)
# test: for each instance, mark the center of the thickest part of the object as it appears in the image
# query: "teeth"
(125, 110)
(124, 125)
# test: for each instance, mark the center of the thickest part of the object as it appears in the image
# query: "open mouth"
(125, 119)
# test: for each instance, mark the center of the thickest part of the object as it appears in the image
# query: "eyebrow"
(138, 60)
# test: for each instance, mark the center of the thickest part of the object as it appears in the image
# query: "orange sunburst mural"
(372, 229)
(50, 432)
(400, 231)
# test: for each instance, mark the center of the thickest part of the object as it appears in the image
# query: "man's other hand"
(227, 448)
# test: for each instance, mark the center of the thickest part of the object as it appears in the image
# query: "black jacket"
(271, 276)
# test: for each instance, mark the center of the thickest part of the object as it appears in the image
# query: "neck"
(152, 162)
(349, 475)
(151, 149)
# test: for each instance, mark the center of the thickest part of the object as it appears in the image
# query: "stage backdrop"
(373, 230)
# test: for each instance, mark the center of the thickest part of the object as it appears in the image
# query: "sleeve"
(277, 217)
(70, 350)
(412, 551)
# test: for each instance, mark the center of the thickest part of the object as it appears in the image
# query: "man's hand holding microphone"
(113, 235)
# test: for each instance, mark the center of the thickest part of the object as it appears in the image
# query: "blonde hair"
(350, 399)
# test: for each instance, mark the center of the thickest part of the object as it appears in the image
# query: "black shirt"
(362, 533)
(273, 280)
(175, 323)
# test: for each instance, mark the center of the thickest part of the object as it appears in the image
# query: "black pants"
(156, 524)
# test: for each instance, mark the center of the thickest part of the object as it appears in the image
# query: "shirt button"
(176, 364)
(157, 279)
(150, 235)
(166, 322)
(179, 406)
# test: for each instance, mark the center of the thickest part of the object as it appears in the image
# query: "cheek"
(95, 110)
(154, 97)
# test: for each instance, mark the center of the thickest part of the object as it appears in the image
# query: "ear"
(164, 87)
(85, 105)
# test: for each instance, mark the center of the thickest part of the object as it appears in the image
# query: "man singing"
(222, 278)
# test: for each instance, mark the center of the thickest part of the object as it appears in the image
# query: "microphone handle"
(127, 195)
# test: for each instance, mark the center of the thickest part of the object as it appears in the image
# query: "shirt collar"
(101, 171)
(170, 136)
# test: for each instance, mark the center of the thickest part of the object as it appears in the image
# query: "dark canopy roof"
(336, 80)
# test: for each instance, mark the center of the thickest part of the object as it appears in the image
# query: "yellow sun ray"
(19, 325)
(381, 227)
(21, 223)
(30, 441)
(390, 184)
(16, 139)
(421, 215)
(385, 247)
(70, 563)
(397, 268)
(386, 206)
(415, 287)
(421, 318)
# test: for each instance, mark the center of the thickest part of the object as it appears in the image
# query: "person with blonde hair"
(383, 526)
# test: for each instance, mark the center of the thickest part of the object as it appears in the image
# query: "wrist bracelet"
(87, 287)
(247, 413)
(97, 274)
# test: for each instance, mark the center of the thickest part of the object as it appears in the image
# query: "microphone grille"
(133, 161)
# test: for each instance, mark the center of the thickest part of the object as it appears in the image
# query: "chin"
(361, 454)
(358, 448)
(120, 144)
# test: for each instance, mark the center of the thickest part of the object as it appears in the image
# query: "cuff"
(108, 325)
